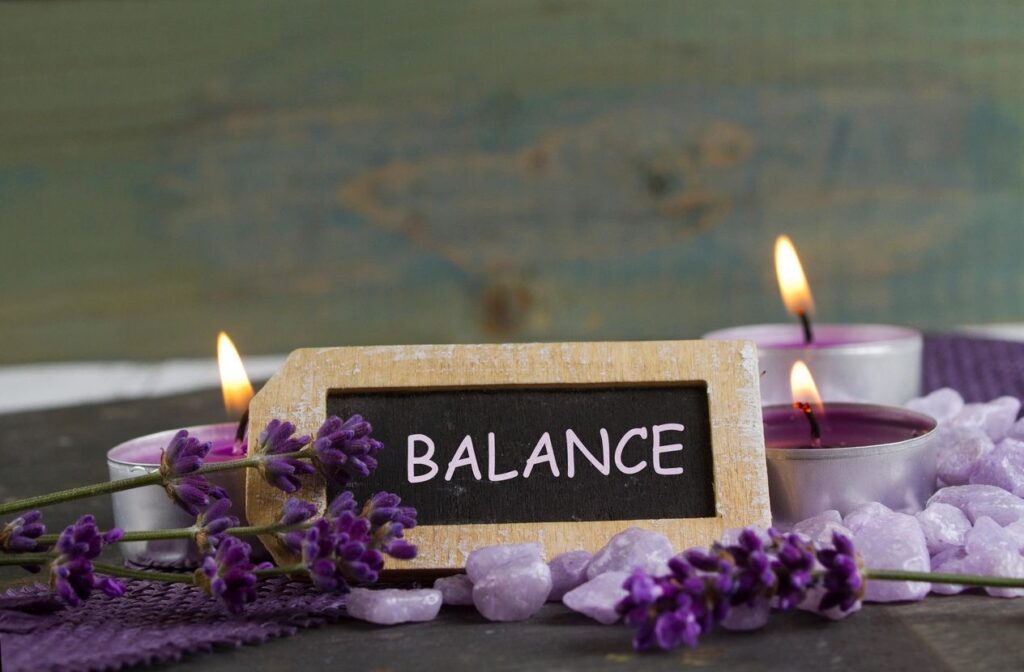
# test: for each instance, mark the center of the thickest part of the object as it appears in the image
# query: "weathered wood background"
(304, 173)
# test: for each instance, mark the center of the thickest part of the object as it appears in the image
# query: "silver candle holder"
(149, 507)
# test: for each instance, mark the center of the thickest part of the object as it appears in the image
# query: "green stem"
(26, 559)
(279, 571)
(154, 478)
(189, 532)
(125, 572)
(937, 577)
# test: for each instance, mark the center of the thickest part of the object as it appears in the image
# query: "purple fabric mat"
(980, 369)
(153, 622)
(157, 622)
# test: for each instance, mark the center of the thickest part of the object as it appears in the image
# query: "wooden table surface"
(46, 450)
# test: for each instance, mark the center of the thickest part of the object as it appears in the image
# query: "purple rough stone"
(958, 452)
(992, 551)
(836, 613)
(486, 560)
(818, 529)
(1002, 466)
(982, 500)
(391, 606)
(942, 404)
(597, 597)
(748, 616)
(944, 526)
(513, 591)
(1017, 431)
(632, 548)
(893, 541)
(568, 571)
(455, 590)
(996, 417)
(950, 561)
(864, 514)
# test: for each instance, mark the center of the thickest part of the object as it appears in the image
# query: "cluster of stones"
(512, 582)
(973, 524)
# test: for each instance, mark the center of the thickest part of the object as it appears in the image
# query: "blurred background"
(335, 173)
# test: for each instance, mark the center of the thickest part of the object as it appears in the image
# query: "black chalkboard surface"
(541, 453)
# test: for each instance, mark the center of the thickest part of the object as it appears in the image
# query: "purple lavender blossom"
(345, 548)
(793, 566)
(229, 575)
(344, 450)
(71, 573)
(213, 523)
(183, 455)
(275, 444)
(294, 512)
(844, 585)
(702, 587)
(19, 535)
(193, 493)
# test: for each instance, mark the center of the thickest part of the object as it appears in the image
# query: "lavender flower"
(338, 553)
(19, 535)
(273, 444)
(229, 575)
(793, 565)
(71, 573)
(702, 586)
(843, 583)
(193, 493)
(344, 547)
(294, 512)
(344, 450)
(183, 455)
(213, 523)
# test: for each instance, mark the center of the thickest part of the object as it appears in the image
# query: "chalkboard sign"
(562, 443)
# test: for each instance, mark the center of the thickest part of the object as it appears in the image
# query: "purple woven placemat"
(157, 622)
(981, 369)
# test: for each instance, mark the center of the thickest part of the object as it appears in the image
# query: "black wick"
(243, 428)
(808, 412)
(805, 322)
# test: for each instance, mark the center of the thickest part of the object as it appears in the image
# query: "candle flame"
(234, 382)
(801, 382)
(796, 293)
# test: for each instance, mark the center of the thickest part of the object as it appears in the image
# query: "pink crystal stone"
(864, 514)
(992, 551)
(630, 549)
(388, 607)
(944, 526)
(982, 500)
(455, 590)
(893, 541)
(996, 417)
(1002, 466)
(513, 591)
(941, 404)
(748, 616)
(568, 571)
(486, 560)
(959, 451)
(597, 597)
(950, 561)
(818, 529)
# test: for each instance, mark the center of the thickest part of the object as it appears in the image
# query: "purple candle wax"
(146, 450)
(872, 363)
(869, 454)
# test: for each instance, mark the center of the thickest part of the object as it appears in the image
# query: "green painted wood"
(338, 173)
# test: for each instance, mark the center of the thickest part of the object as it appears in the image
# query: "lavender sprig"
(179, 463)
(71, 572)
(213, 523)
(229, 575)
(276, 446)
(344, 450)
(21, 534)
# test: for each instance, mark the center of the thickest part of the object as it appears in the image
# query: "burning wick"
(796, 293)
(808, 412)
(236, 388)
(241, 432)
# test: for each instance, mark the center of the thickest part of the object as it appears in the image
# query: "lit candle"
(149, 508)
(840, 455)
(851, 362)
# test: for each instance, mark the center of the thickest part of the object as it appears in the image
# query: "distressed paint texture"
(316, 173)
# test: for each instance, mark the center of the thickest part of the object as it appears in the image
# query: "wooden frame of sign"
(682, 420)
